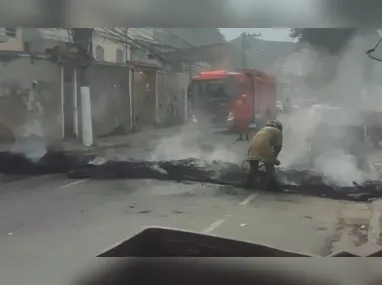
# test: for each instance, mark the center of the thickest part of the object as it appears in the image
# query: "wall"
(39, 39)
(110, 48)
(109, 98)
(16, 77)
(13, 44)
(144, 89)
(171, 97)
(41, 45)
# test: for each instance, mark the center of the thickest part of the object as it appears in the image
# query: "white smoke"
(339, 168)
(174, 147)
(190, 143)
(33, 147)
(346, 92)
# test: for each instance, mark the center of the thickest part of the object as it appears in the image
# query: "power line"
(370, 51)
(129, 40)
(158, 40)
(122, 37)
(175, 35)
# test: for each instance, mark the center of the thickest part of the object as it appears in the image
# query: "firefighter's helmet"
(275, 124)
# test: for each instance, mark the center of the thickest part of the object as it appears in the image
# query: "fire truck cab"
(213, 94)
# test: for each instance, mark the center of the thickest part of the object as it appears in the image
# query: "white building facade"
(109, 48)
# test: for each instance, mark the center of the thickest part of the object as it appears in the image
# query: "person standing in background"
(242, 117)
(268, 115)
(287, 105)
(35, 111)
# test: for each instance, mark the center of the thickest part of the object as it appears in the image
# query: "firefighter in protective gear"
(264, 148)
(242, 117)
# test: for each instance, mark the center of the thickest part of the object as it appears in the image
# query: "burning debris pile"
(216, 172)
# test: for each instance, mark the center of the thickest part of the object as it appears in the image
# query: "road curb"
(94, 148)
(111, 145)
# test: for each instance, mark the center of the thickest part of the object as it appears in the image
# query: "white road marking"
(374, 225)
(213, 226)
(73, 183)
(217, 223)
(248, 199)
(377, 163)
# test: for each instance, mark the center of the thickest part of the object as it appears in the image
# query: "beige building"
(31, 39)
(107, 47)
(13, 40)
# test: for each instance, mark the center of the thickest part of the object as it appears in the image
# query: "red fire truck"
(213, 94)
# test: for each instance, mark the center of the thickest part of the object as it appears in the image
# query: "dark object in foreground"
(216, 172)
(161, 242)
(164, 242)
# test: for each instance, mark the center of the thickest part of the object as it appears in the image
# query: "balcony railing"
(55, 34)
(32, 34)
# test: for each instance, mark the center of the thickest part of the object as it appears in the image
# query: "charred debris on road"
(216, 172)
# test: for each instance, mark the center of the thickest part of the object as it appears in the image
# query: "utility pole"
(188, 89)
(83, 38)
(244, 37)
(130, 80)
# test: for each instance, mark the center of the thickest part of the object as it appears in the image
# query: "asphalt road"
(50, 226)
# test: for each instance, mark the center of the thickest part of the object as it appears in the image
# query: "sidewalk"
(132, 140)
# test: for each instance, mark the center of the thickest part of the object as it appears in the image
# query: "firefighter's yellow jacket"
(265, 143)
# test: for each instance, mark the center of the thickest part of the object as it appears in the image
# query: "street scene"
(167, 95)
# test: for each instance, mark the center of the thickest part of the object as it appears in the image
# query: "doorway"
(144, 90)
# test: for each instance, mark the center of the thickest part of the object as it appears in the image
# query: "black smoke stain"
(215, 172)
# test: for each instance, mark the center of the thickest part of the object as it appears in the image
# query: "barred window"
(119, 55)
(10, 32)
(99, 53)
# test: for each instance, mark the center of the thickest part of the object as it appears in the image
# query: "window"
(99, 53)
(119, 55)
(10, 32)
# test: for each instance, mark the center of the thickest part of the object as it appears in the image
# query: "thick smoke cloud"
(346, 90)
